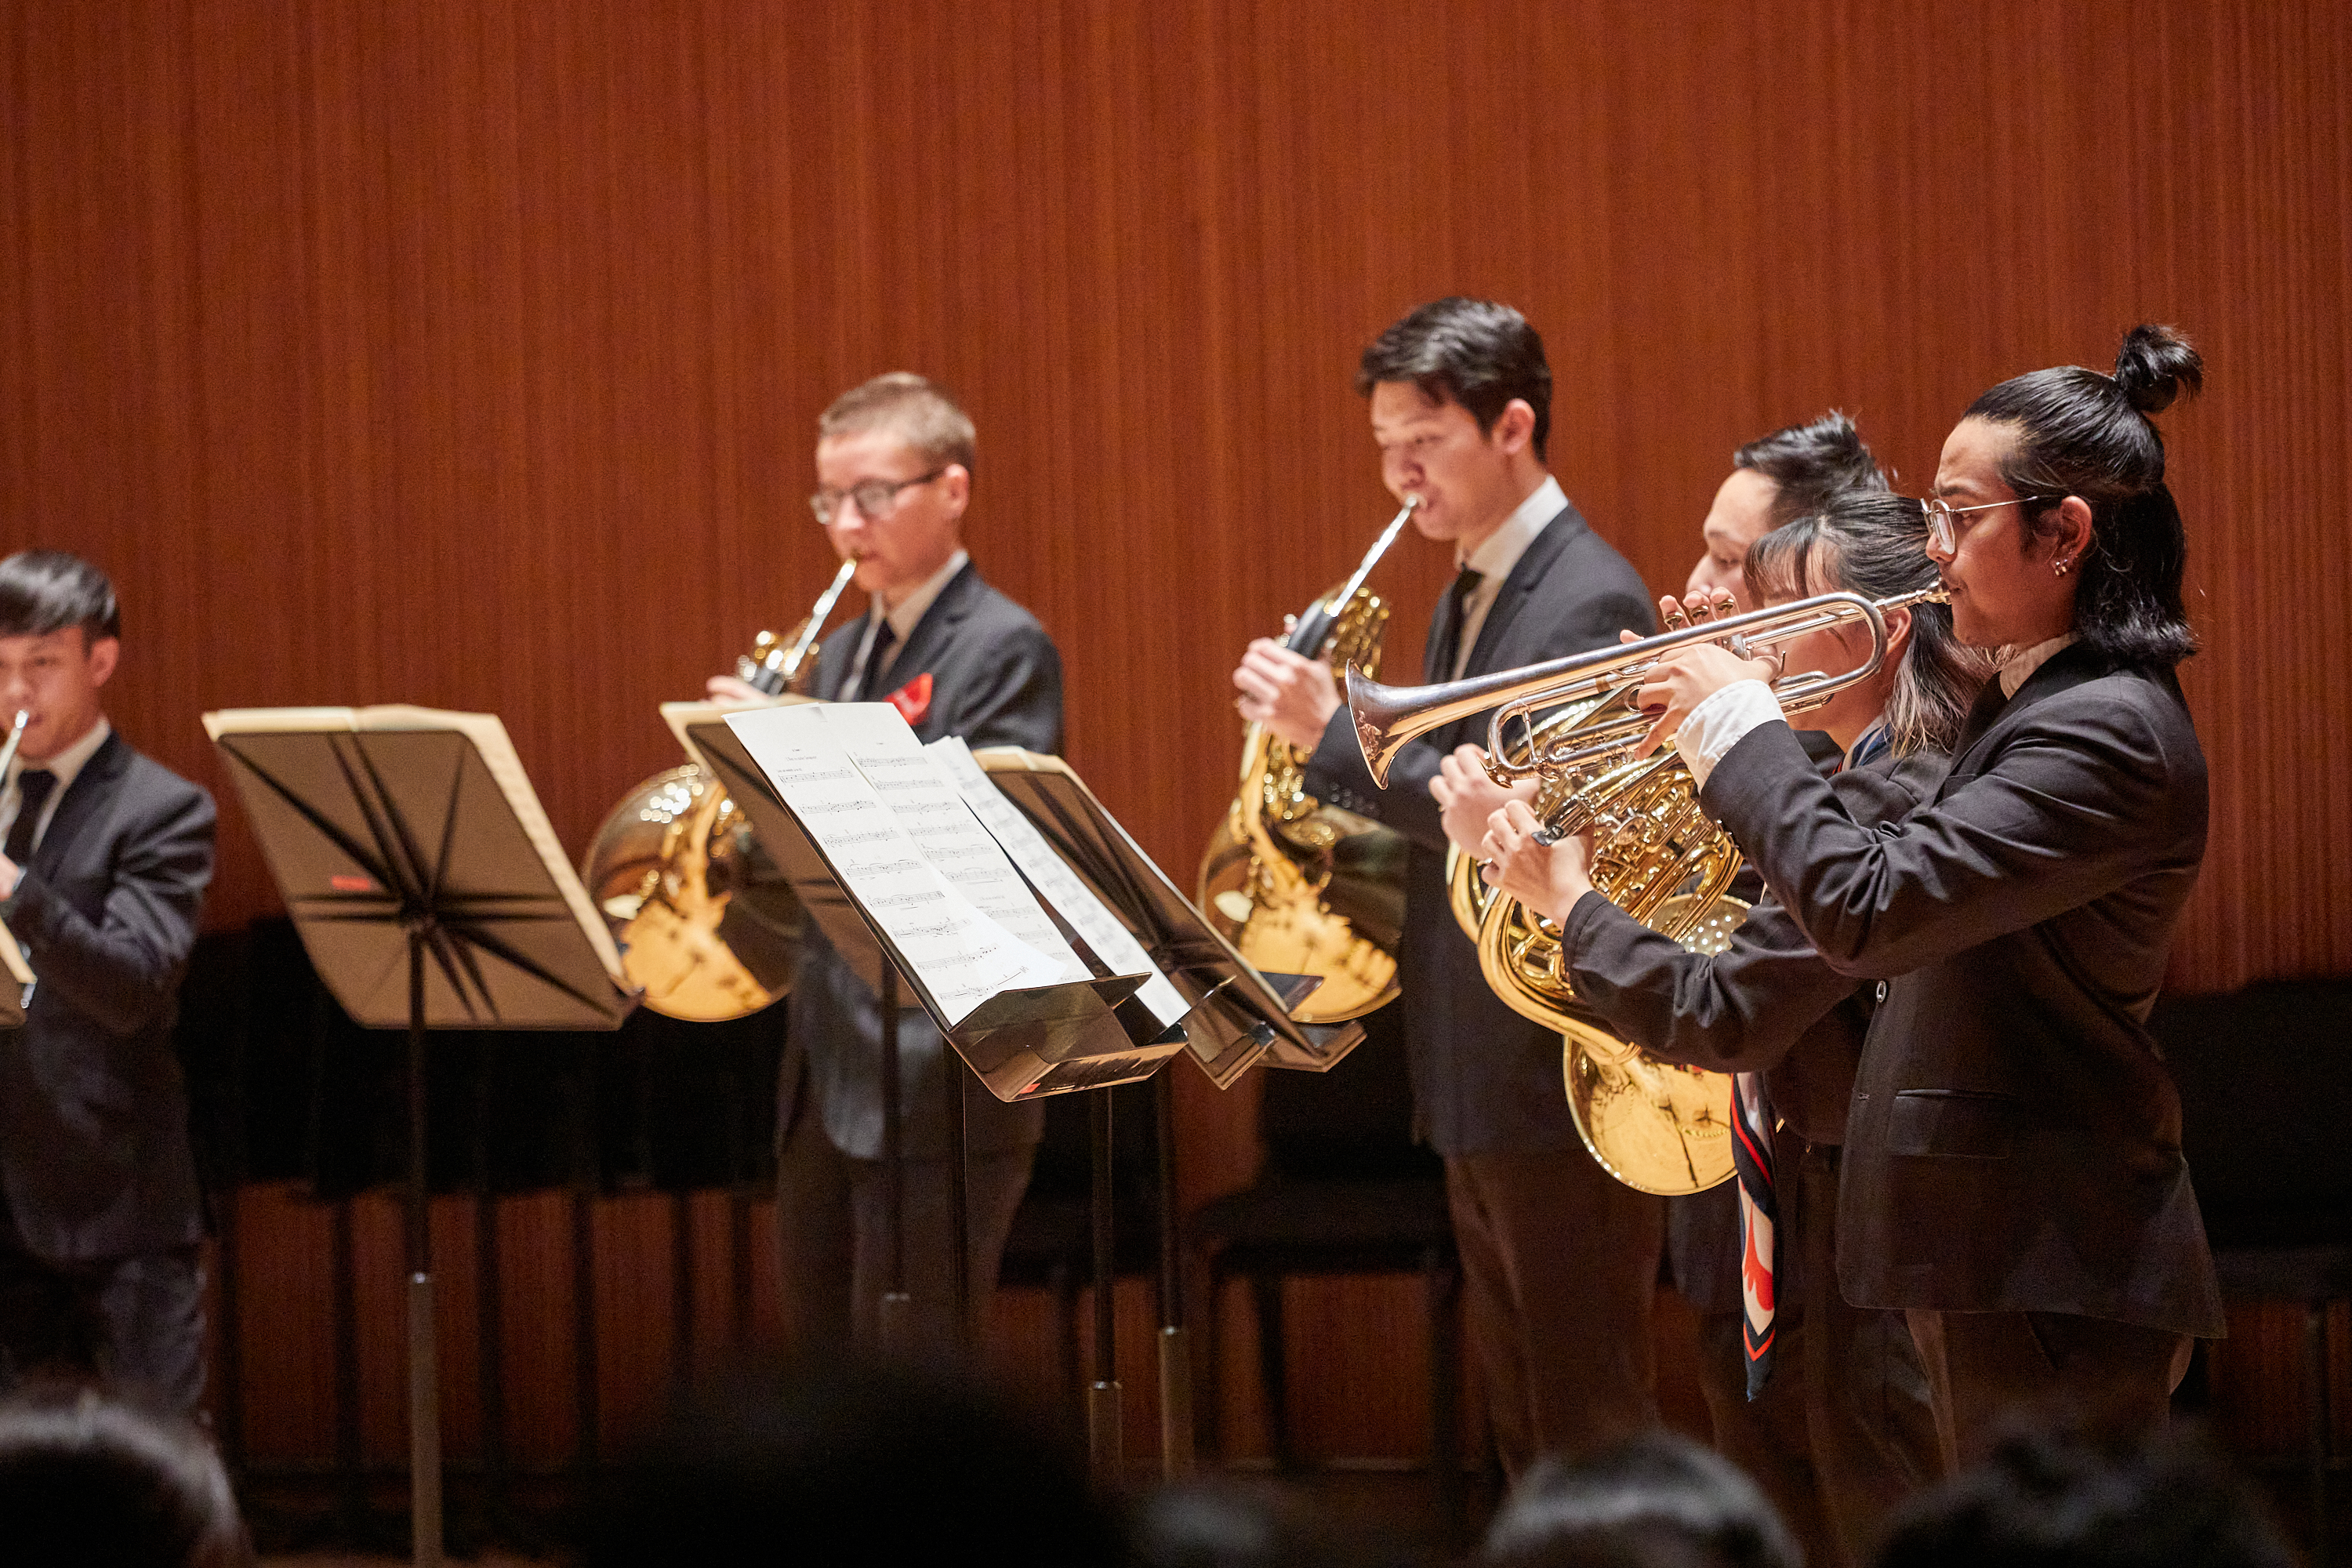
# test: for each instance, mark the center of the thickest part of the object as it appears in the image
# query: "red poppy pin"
(913, 699)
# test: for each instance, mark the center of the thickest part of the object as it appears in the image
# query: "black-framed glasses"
(1946, 533)
(875, 498)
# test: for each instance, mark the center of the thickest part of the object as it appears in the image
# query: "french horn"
(703, 920)
(1654, 1125)
(1297, 885)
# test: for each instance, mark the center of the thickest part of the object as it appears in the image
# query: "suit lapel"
(1533, 562)
(931, 636)
(1993, 717)
(81, 801)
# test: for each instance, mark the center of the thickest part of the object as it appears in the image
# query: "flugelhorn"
(676, 874)
(1296, 885)
(1386, 717)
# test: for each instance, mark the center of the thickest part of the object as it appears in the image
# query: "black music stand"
(1238, 1015)
(428, 889)
(1022, 1044)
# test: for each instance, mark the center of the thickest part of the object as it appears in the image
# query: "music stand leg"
(423, 1361)
(958, 1205)
(893, 1321)
(1176, 1425)
(1106, 1423)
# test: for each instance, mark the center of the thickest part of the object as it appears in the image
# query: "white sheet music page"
(1087, 915)
(961, 956)
(911, 782)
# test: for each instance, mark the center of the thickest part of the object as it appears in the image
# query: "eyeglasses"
(1947, 533)
(875, 498)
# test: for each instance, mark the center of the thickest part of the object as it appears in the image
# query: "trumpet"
(1386, 717)
(1654, 1125)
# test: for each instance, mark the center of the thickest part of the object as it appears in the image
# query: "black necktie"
(877, 663)
(1457, 607)
(33, 786)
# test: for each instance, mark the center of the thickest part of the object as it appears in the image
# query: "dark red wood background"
(466, 353)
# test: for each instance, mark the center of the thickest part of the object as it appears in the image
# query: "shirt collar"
(909, 613)
(1500, 551)
(1872, 744)
(69, 764)
(2019, 663)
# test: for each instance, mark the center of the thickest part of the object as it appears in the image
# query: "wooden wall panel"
(468, 353)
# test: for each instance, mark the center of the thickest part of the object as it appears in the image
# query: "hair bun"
(2152, 365)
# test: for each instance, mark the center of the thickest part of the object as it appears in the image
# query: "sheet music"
(961, 956)
(911, 782)
(1089, 915)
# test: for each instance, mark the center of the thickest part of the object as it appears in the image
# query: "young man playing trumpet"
(1561, 1259)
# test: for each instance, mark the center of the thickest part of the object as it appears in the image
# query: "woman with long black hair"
(2012, 1177)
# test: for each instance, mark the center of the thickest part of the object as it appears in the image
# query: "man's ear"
(1515, 427)
(105, 653)
(956, 479)
(2075, 531)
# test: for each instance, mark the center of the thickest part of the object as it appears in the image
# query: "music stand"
(1238, 1015)
(430, 890)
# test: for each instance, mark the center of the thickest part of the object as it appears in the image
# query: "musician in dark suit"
(1561, 1259)
(1775, 479)
(893, 463)
(102, 877)
(1841, 1430)
(2012, 1178)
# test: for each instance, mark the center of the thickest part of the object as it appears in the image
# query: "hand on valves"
(1547, 877)
(1292, 695)
(1467, 797)
(1688, 675)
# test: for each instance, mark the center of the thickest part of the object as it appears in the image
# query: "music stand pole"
(1176, 1435)
(424, 1369)
(959, 1204)
(1105, 1424)
(894, 1317)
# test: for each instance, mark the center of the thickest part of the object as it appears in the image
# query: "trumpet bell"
(703, 920)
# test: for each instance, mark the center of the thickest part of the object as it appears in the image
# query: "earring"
(2058, 568)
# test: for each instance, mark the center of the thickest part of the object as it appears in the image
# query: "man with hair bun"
(894, 467)
(102, 877)
(2013, 1179)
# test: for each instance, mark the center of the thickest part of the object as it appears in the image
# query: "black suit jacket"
(996, 681)
(2014, 1143)
(93, 1107)
(1486, 1080)
(1766, 1004)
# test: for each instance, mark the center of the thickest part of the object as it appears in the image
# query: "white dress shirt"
(903, 620)
(66, 765)
(1492, 560)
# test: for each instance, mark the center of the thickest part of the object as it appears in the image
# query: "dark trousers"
(832, 1223)
(137, 1322)
(1989, 1371)
(1844, 1430)
(1560, 1262)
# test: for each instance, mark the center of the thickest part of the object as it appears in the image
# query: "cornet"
(1386, 717)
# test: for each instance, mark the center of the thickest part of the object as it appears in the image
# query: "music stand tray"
(428, 888)
(1023, 1043)
(1240, 1014)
